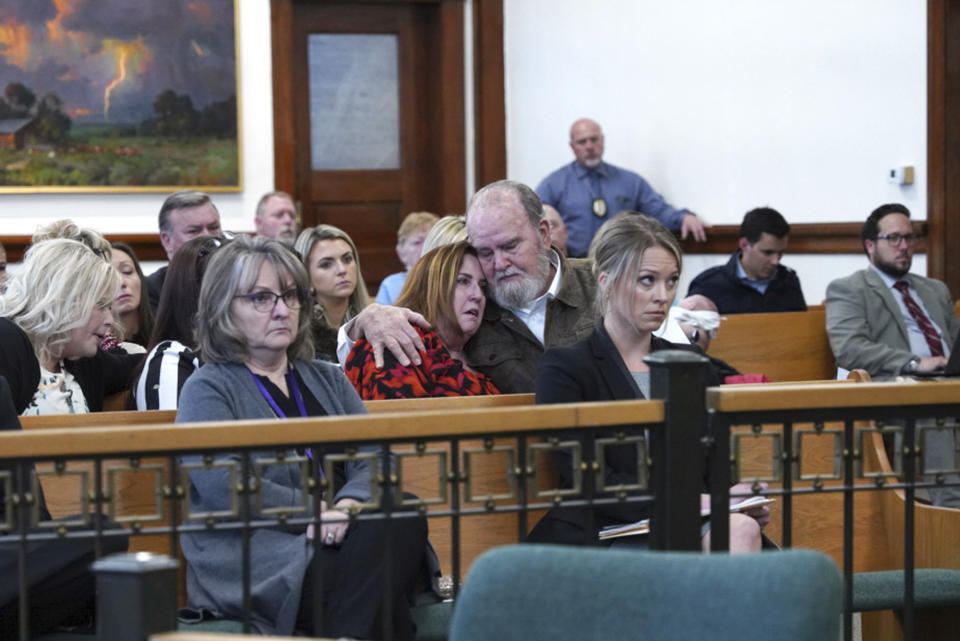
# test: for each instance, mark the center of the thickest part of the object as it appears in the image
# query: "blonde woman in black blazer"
(637, 264)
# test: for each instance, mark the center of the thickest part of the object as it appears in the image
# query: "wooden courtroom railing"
(817, 523)
(832, 463)
(135, 493)
(751, 413)
(158, 417)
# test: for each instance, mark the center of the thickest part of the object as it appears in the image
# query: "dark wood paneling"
(489, 104)
(146, 246)
(452, 190)
(805, 238)
(943, 141)
(284, 134)
(368, 224)
(356, 185)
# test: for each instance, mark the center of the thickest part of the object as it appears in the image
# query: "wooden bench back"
(791, 346)
(159, 417)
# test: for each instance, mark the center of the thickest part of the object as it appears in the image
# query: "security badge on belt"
(599, 207)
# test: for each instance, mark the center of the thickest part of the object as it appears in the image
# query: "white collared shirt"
(534, 315)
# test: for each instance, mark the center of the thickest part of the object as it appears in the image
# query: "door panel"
(369, 204)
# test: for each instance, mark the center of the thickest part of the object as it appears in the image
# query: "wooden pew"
(791, 346)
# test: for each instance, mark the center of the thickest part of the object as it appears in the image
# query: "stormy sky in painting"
(108, 60)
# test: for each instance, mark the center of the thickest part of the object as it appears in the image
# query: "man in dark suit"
(890, 322)
(183, 215)
(754, 280)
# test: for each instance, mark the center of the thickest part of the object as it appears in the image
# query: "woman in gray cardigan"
(254, 335)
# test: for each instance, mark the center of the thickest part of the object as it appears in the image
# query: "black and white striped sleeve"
(166, 369)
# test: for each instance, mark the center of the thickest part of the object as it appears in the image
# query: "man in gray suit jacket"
(890, 322)
(868, 321)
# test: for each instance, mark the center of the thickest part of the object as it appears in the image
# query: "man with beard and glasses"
(884, 319)
(891, 322)
(536, 298)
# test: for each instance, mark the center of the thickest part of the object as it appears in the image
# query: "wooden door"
(369, 116)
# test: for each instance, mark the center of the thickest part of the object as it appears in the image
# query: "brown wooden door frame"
(490, 122)
(943, 142)
(446, 126)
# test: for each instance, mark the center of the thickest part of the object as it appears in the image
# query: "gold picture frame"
(121, 96)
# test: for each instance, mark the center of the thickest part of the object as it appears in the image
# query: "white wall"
(725, 106)
(721, 105)
(130, 213)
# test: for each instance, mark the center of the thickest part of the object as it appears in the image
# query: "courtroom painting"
(119, 96)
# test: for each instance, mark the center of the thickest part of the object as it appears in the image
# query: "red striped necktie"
(929, 331)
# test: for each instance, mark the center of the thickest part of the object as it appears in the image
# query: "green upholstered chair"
(532, 592)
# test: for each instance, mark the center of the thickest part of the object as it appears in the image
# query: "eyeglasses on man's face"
(896, 239)
(266, 301)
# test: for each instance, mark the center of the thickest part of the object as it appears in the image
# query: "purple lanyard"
(292, 382)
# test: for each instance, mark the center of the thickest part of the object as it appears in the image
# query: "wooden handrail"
(98, 419)
(85, 441)
(158, 417)
(448, 403)
(829, 395)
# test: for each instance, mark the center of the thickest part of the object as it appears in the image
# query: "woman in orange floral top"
(447, 287)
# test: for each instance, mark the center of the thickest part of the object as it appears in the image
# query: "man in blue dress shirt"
(589, 191)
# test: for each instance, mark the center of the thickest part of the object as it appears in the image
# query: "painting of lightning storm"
(118, 95)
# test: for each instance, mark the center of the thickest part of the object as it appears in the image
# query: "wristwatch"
(910, 367)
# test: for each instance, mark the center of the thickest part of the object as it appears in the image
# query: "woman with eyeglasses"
(336, 282)
(255, 340)
(172, 349)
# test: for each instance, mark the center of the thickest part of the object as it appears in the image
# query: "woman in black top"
(637, 264)
(53, 316)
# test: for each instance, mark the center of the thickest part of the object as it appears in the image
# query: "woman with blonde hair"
(410, 236)
(53, 316)
(447, 287)
(339, 293)
(66, 228)
(449, 229)
(637, 263)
